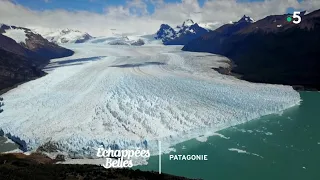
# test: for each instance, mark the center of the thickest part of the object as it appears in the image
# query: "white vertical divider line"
(159, 144)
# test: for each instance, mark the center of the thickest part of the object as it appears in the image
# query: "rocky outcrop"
(139, 42)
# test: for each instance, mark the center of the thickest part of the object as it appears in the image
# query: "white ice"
(204, 137)
(16, 34)
(243, 152)
(129, 97)
(221, 135)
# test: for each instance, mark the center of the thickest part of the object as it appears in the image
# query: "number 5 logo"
(296, 16)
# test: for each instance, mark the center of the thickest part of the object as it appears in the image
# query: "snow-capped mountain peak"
(189, 26)
(181, 34)
(247, 19)
(66, 36)
(165, 32)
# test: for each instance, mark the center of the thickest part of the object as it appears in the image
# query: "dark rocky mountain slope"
(271, 50)
(15, 69)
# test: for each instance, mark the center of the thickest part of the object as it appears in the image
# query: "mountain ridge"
(271, 50)
(180, 35)
(67, 36)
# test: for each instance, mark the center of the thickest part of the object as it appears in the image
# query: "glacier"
(132, 97)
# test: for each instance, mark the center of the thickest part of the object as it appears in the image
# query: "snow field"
(16, 34)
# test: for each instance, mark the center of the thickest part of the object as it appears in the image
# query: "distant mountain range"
(66, 36)
(181, 35)
(124, 40)
(23, 53)
(271, 50)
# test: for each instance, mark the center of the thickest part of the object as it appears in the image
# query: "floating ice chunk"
(243, 152)
(221, 135)
(202, 138)
(268, 133)
(238, 150)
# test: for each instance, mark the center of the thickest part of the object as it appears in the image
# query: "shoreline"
(229, 71)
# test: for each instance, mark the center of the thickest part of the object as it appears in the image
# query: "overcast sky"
(98, 17)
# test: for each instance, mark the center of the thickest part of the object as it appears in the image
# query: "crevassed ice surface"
(127, 97)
